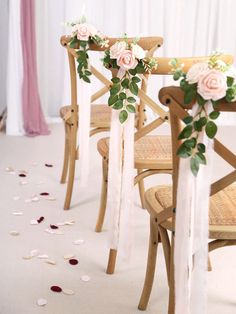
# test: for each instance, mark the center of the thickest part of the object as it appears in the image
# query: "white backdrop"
(189, 28)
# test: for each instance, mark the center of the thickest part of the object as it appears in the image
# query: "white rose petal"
(196, 71)
(138, 51)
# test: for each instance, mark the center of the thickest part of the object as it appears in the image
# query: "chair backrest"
(173, 97)
(165, 68)
(151, 44)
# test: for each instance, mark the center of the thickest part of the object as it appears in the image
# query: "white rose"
(138, 51)
(196, 71)
(117, 49)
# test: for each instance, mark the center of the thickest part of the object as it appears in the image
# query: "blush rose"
(127, 60)
(117, 49)
(84, 31)
(212, 85)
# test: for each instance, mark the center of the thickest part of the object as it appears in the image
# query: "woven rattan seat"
(150, 151)
(222, 212)
(100, 115)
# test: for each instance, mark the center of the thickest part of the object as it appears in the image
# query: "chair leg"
(103, 200)
(141, 190)
(73, 155)
(66, 153)
(111, 262)
(151, 265)
(166, 249)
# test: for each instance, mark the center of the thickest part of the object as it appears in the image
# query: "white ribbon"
(121, 184)
(191, 233)
(84, 99)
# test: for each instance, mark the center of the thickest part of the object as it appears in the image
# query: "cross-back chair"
(161, 200)
(153, 154)
(100, 113)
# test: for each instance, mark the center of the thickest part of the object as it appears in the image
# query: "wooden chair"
(100, 114)
(153, 153)
(161, 200)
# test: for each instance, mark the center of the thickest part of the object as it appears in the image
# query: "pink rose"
(85, 30)
(127, 60)
(117, 49)
(212, 85)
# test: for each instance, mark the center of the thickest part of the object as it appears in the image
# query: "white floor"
(25, 281)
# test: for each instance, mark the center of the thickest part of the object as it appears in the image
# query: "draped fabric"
(191, 233)
(14, 72)
(34, 122)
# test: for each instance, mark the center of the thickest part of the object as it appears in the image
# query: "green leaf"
(88, 73)
(131, 100)
(136, 79)
(83, 43)
(140, 69)
(73, 42)
(122, 95)
(133, 88)
(123, 116)
(186, 132)
(202, 121)
(125, 83)
(211, 129)
(201, 101)
(133, 71)
(197, 126)
(194, 165)
(189, 96)
(201, 158)
(118, 105)
(131, 108)
(176, 76)
(183, 151)
(115, 89)
(191, 142)
(230, 81)
(214, 115)
(86, 79)
(215, 103)
(115, 80)
(112, 99)
(188, 119)
(201, 148)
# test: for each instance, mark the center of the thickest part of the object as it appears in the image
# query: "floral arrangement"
(131, 62)
(205, 82)
(84, 34)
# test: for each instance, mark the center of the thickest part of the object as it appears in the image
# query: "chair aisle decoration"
(207, 89)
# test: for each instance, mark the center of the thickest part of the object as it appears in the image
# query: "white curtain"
(189, 28)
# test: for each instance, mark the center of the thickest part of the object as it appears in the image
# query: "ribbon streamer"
(121, 184)
(191, 233)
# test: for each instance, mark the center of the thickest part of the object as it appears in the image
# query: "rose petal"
(35, 199)
(17, 213)
(34, 222)
(27, 257)
(48, 165)
(49, 231)
(71, 222)
(85, 278)
(9, 169)
(44, 193)
(23, 182)
(42, 256)
(78, 242)
(34, 252)
(68, 291)
(41, 302)
(73, 261)
(49, 261)
(56, 288)
(22, 175)
(14, 233)
(40, 219)
(68, 256)
(58, 232)
(60, 224)
(50, 198)
(53, 227)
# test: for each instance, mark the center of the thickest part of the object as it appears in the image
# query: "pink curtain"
(34, 122)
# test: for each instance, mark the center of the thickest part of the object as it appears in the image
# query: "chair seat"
(100, 115)
(151, 152)
(222, 211)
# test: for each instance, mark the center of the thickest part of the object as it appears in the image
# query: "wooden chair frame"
(164, 68)
(71, 118)
(159, 217)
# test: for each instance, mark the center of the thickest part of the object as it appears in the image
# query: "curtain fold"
(34, 122)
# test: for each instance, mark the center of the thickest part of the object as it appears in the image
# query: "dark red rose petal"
(56, 289)
(73, 261)
(53, 227)
(22, 175)
(40, 219)
(48, 165)
(44, 193)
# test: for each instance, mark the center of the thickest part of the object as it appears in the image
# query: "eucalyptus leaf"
(186, 132)
(122, 95)
(201, 148)
(115, 80)
(136, 79)
(115, 89)
(133, 88)
(184, 151)
(211, 129)
(125, 83)
(118, 105)
(194, 165)
(188, 119)
(214, 115)
(131, 108)
(131, 100)
(112, 99)
(123, 116)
